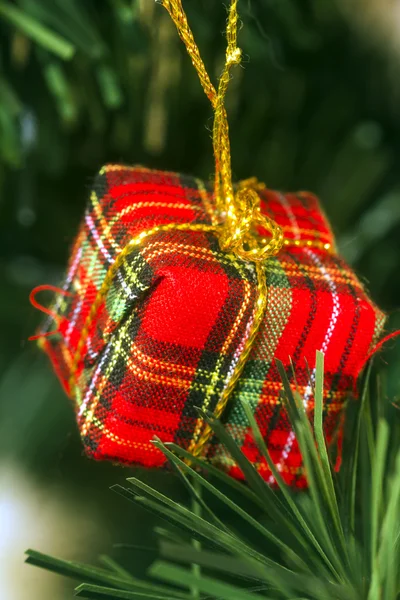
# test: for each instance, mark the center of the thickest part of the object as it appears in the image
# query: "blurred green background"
(83, 83)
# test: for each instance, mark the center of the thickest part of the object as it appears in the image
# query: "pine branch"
(320, 553)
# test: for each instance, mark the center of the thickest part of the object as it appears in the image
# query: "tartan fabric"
(169, 332)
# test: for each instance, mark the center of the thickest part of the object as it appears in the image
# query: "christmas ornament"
(179, 295)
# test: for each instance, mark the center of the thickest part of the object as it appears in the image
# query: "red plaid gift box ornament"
(178, 296)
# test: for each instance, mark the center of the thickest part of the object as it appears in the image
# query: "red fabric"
(167, 335)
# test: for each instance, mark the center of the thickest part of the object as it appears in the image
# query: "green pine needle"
(313, 546)
(37, 31)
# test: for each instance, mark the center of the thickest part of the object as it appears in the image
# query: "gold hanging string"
(223, 178)
(237, 214)
(240, 213)
(177, 14)
(224, 193)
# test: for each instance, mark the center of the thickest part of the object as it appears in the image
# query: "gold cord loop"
(239, 213)
(237, 217)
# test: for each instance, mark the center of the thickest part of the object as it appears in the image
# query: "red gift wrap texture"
(168, 333)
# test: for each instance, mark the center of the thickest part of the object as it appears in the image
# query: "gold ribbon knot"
(239, 232)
